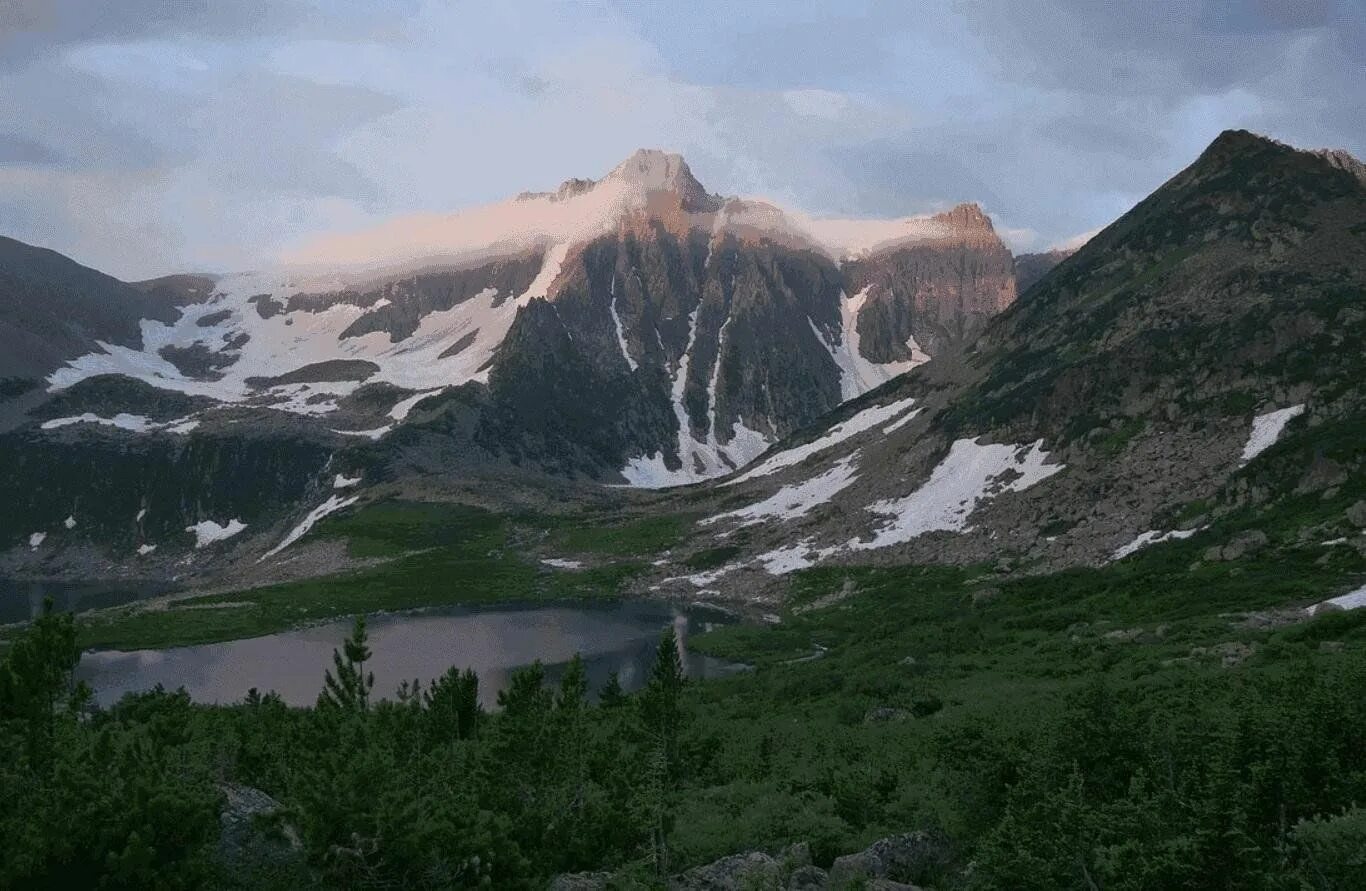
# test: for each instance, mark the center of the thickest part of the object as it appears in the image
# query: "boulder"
(1356, 514)
(738, 872)
(913, 857)
(248, 845)
(1243, 544)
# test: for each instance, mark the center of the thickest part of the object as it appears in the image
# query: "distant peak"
(654, 170)
(967, 215)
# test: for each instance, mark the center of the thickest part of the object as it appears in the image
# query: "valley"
(855, 540)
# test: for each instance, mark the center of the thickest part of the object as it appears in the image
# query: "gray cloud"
(147, 135)
(16, 149)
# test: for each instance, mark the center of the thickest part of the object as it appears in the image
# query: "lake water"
(619, 637)
(23, 599)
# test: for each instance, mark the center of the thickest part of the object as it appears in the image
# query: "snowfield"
(968, 475)
(798, 499)
(1266, 429)
(864, 420)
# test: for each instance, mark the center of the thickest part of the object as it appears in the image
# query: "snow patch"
(1151, 537)
(345, 482)
(621, 331)
(124, 421)
(1266, 429)
(969, 475)
(793, 557)
(798, 499)
(375, 434)
(207, 532)
(864, 420)
(36, 539)
(331, 505)
(561, 563)
(403, 407)
(69, 522)
(144, 550)
(1351, 600)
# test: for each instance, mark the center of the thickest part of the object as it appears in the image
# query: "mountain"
(1030, 268)
(54, 309)
(1198, 360)
(631, 329)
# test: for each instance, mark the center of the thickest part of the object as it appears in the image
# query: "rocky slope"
(1203, 355)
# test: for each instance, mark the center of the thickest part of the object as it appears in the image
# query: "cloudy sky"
(148, 136)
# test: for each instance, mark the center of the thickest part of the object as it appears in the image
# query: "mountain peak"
(968, 215)
(655, 170)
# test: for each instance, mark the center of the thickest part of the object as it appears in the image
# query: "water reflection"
(619, 637)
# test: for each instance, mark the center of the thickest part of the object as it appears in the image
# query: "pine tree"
(452, 703)
(36, 680)
(662, 716)
(611, 695)
(347, 687)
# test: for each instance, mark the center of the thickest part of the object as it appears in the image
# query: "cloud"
(16, 149)
(150, 135)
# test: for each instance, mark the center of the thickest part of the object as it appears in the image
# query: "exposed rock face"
(937, 295)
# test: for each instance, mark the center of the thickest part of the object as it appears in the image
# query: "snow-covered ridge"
(648, 182)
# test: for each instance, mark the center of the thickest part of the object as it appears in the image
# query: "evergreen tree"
(452, 703)
(611, 695)
(36, 680)
(348, 689)
(661, 714)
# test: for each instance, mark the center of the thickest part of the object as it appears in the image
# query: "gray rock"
(808, 878)
(912, 857)
(245, 844)
(739, 872)
(1356, 514)
(1243, 544)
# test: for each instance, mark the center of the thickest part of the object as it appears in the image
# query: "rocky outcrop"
(898, 863)
(254, 849)
(934, 295)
